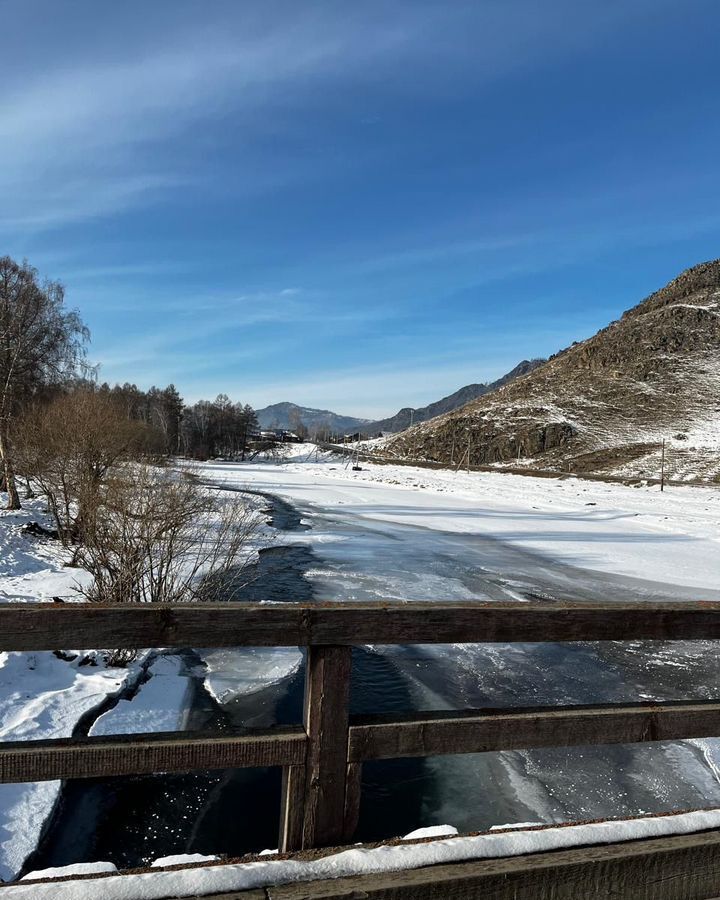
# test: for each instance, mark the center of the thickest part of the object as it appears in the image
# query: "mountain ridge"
(287, 415)
(463, 395)
(605, 404)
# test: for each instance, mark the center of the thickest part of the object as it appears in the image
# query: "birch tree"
(41, 342)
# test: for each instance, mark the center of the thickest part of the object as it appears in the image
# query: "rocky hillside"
(401, 420)
(605, 405)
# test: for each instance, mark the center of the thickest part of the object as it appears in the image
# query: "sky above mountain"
(355, 206)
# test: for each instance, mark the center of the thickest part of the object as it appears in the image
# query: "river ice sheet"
(394, 533)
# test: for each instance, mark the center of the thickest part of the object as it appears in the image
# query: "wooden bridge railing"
(322, 759)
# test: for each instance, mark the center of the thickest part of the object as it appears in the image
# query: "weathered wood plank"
(353, 793)
(327, 696)
(477, 731)
(260, 894)
(142, 754)
(292, 809)
(685, 867)
(47, 627)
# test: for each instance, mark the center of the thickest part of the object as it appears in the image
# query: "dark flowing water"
(132, 821)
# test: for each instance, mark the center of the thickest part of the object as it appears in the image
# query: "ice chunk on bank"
(235, 672)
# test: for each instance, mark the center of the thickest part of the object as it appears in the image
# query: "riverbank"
(47, 695)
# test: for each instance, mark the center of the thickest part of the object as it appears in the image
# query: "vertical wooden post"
(662, 467)
(327, 696)
(353, 788)
(291, 809)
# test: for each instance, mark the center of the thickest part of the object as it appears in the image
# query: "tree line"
(44, 374)
(97, 453)
(205, 429)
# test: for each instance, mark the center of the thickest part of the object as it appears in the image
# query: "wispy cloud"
(246, 196)
(75, 142)
(107, 131)
(200, 327)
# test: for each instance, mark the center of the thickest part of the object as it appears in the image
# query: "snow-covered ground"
(161, 703)
(41, 696)
(670, 537)
(44, 696)
(31, 568)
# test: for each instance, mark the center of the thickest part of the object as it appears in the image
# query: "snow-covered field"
(41, 696)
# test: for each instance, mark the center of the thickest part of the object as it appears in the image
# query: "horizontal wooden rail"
(370, 738)
(53, 626)
(478, 731)
(144, 754)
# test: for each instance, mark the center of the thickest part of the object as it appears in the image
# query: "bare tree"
(157, 537)
(69, 446)
(297, 426)
(40, 343)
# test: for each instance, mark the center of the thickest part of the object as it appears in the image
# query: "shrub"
(151, 536)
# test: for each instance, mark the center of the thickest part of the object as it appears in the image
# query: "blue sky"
(355, 205)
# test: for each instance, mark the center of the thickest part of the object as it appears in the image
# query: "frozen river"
(350, 540)
(371, 544)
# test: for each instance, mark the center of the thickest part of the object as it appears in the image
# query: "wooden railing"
(322, 758)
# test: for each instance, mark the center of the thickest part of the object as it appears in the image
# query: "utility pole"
(469, 439)
(662, 467)
(452, 451)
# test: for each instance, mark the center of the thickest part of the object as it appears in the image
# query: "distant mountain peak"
(285, 415)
